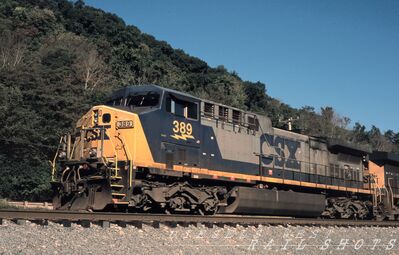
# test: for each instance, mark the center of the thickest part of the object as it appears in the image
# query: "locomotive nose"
(99, 133)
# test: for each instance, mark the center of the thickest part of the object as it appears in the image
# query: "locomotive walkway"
(85, 219)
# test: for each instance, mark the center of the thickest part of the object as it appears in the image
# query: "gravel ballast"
(32, 238)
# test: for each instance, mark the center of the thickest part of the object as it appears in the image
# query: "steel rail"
(187, 219)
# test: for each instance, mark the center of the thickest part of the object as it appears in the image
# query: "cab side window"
(182, 108)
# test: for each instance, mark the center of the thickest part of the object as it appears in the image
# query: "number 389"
(182, 128)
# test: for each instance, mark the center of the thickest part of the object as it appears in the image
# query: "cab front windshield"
(137, 100)
(148, 99)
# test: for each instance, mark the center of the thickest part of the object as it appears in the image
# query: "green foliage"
(26, 179)
(5, 205)
(59, 58)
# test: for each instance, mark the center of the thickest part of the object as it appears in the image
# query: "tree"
(391, 136)
(309, 121)
(256, 96)
(227, 90)
(88, 65)
(377, 140)
(359, 134)
(91, 69)
(12, 50)
(327, 117)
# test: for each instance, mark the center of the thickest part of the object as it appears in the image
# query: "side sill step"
(118, 194)
(117, 185)
(120, 203)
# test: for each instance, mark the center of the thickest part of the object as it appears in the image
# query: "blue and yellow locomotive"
(152, 149)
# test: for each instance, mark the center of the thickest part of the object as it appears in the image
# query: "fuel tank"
(274, 202)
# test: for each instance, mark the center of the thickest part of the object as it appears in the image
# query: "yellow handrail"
(129, 158)
(116, 156)
(54, 160)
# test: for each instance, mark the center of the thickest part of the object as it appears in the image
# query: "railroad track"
(105, 219)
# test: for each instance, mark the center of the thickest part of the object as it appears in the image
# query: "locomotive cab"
(138, 127)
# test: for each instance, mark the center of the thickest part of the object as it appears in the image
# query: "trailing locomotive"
(152, 149)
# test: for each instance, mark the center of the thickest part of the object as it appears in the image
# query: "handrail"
(390, 192)
(53, 168)
(116, 156)
(102, 147)
(129, 157)
(73, 149)
(315, 166)
(229, 120)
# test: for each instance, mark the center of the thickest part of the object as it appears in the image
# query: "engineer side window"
(182, 108)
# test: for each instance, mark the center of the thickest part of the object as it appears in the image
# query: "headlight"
(95, 117)
(93, 152)
(62, 155)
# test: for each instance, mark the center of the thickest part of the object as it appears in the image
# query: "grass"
(5, 205)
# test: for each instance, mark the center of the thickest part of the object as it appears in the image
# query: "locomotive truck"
(153, 149)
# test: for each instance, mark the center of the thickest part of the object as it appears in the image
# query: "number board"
(182, 130)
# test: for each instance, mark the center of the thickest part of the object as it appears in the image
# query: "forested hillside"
(58, 58)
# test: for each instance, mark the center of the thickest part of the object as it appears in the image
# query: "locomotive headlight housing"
(124, 124)
(62, 155)
(95, 117)
(93, 152)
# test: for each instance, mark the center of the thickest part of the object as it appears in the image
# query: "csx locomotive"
(153, 149)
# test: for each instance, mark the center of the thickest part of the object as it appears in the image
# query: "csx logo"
(277, 147)
(182, 130)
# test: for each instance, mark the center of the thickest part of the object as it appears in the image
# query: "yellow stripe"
(196, 170)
